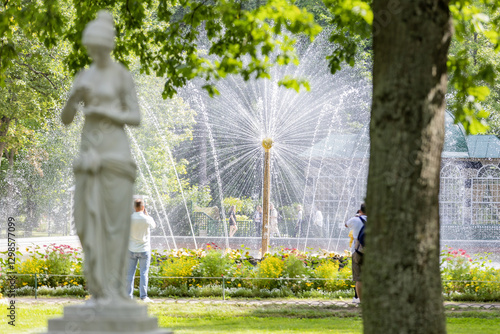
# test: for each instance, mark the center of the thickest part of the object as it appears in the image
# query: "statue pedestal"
(130, 318)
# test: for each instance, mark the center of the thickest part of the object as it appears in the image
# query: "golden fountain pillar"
(267, 143)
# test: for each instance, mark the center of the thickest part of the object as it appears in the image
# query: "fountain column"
(267, 143)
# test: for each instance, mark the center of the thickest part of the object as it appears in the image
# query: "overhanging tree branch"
(45, 75)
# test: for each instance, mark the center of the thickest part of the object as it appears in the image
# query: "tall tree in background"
(34, 86)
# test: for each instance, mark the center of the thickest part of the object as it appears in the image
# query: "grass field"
(234, 319)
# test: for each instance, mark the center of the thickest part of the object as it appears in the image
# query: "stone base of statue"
(130, 318)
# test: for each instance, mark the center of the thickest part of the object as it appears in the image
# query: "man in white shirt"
(140, 249)
(299, 229)
(273, 221)
(318, 223)
(356, 223)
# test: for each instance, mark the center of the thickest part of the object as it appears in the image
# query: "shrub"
(243, 269)
(329, 271)
(335, 279)
(294, 267)
(28, 267)
(51, 266)
(213, 264)
(270, 267)
(177, 267)
(466, 278)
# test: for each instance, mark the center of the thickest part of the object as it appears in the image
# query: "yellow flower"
(24, 283)
(239, 285)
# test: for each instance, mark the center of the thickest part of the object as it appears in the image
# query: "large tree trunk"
(401, 276)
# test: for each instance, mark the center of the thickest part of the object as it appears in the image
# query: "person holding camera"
(140, 249)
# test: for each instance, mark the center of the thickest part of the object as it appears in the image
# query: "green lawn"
(234, 319)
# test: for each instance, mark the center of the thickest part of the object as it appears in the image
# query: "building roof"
(340, 145)
(456, 144)
(484, 146)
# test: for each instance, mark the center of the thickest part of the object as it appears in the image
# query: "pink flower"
(470, 260)
(461, 250)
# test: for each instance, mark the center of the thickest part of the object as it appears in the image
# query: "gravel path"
(312, 303)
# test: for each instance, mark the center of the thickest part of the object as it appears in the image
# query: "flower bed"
(469, 278)
(210, 271)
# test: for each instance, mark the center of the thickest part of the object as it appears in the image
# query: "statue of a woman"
(105, 171)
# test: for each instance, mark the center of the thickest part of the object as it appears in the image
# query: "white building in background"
(470, 181)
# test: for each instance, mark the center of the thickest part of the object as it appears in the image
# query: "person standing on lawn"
(140, 249)
(356, 223)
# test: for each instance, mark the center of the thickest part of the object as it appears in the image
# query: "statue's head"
(100, 32)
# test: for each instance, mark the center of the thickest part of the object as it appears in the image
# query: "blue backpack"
(361, 238)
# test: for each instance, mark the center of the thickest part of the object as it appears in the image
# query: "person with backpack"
(357, 224)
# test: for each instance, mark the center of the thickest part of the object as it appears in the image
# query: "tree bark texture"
(401, 276)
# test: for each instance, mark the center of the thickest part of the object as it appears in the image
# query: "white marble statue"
(104, 175)
(104, 171)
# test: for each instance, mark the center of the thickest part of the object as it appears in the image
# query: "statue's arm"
(70, 108)
(132, 114)
(129, 113)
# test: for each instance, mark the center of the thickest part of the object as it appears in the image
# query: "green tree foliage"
(167, 35)
(164, 126)
(36, 190)
(473, 60)
(244, 206)
(474, 64)
(34, 86)
(351, 22)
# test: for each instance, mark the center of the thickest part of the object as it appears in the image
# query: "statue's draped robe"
(104, 190)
